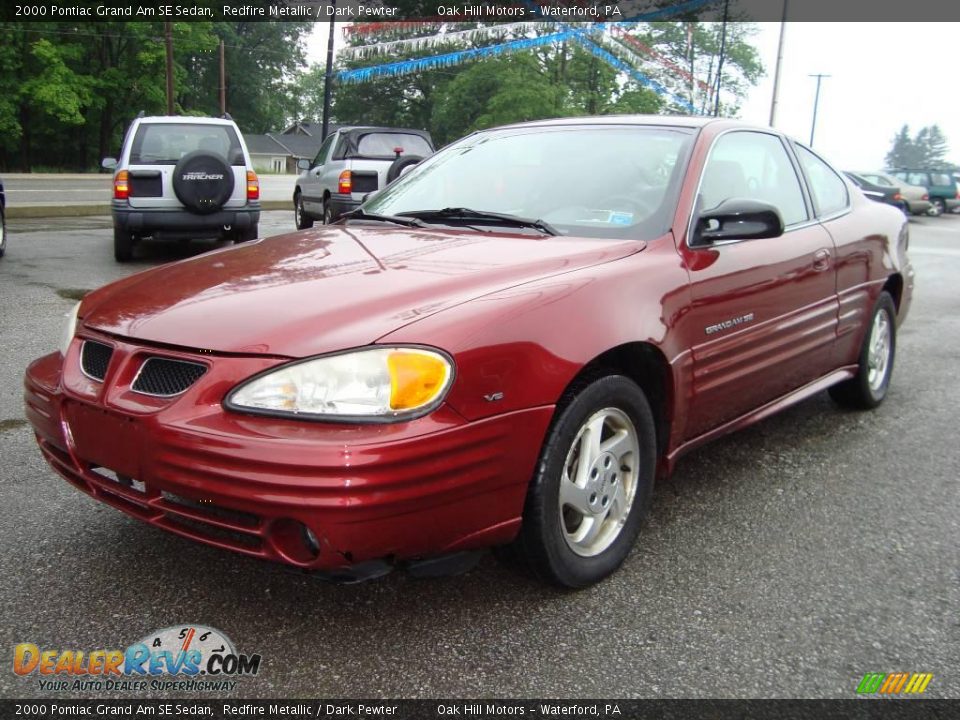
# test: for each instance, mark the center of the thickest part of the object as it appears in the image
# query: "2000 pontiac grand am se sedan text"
(502, 348)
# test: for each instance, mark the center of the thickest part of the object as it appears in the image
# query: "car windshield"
(588, 181)
(166, 143)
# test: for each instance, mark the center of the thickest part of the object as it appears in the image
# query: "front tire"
(593, 485)
(869, 387)
(122, 245)
(302, 219)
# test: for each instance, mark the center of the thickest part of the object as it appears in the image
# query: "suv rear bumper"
(340, 204)
(146, 220)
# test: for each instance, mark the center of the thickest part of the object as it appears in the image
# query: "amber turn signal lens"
(416, 378)
(121, 185)
(345, 184)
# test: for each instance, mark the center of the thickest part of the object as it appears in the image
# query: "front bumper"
(254, 485)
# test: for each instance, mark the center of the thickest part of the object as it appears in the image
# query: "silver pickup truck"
(352, 162)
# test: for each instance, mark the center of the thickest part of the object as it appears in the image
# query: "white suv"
(353, 162)
(183, 177)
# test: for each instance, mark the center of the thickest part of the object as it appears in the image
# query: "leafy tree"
(927, 149)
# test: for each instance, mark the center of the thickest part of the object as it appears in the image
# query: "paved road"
(785, 561)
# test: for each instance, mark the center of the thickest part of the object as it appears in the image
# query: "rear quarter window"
(166, 143)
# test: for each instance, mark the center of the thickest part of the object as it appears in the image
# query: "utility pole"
(328, 76)
(776, 71)
(223, 81)
(816, 104)
(168, 36)
(723, 49)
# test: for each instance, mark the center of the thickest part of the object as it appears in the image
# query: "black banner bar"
(361, 11)
(854, 709)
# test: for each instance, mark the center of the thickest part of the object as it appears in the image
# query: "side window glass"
(754, 166)
(918, 179)
(828, 190)
(323, 151)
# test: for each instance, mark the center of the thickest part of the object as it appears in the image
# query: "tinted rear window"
(385, 144)
(166, 143)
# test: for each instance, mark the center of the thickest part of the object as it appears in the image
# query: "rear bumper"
(919, 207)
(427, 487)
(340, 204)
(145, 220)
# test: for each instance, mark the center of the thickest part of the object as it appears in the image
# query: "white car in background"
(181, 178)
(916, 197)
(352, 163)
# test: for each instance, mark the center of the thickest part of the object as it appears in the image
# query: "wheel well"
(894, 286)
(648, 368)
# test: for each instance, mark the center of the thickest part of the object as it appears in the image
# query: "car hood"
(337, 287)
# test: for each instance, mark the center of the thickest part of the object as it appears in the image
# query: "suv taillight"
(121, 185)
(253, 186)
(345, 184)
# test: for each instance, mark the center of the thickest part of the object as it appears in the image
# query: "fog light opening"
(294, 541)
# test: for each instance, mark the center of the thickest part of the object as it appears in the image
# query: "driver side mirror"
(108, 163)
(737, 219)
(303, 164)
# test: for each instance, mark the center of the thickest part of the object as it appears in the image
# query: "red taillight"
(121, 185)
(253, 186)
(925, 197)
(898, 196)
(345, 184)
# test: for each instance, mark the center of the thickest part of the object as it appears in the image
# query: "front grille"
(163, 377)
(94, 359)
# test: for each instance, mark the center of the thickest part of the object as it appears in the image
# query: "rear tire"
(939, 207)
(869, 387)
(122, 245)
(248, 234)
(3, 233)
(593, 485)
(327, 213)
(300, 216)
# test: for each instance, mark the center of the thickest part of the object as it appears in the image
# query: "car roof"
(690, 121)
(186, 119)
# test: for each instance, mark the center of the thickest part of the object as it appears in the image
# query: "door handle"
(821, 259)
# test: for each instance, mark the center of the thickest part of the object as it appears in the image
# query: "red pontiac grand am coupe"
(504, 347)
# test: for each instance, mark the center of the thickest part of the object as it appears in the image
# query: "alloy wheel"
(599, 482)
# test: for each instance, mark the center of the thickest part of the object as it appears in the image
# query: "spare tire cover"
(203, 181)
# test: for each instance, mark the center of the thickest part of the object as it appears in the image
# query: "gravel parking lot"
(784, 561)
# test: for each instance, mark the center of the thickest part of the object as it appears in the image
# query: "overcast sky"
(882, 76)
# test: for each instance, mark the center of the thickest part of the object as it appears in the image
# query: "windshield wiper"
(360, 214)
(452, 214)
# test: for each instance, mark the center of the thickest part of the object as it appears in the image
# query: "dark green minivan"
(940, 184)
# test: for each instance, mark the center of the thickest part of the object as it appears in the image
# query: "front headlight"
(376, 383)
(69, 329)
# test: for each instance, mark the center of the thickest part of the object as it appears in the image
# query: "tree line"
(68, 90)
(927, 149)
